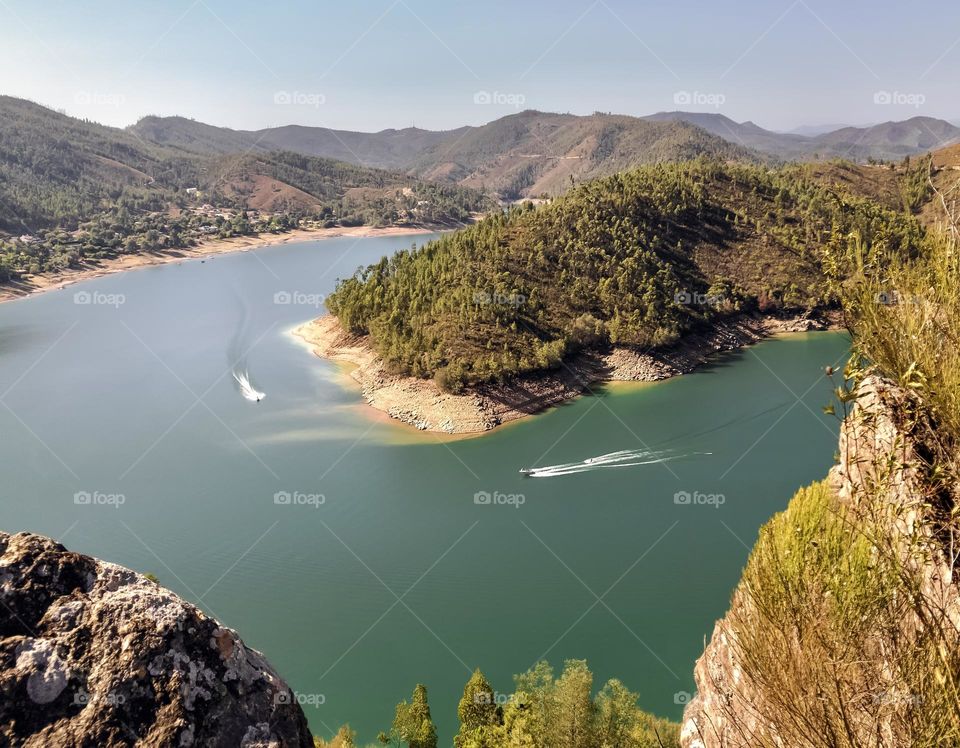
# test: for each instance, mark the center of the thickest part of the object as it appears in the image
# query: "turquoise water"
(395, 576)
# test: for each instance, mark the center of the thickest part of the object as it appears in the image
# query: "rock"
(92, 654)
(880, 473)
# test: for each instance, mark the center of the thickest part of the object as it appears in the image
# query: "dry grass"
(846, 621)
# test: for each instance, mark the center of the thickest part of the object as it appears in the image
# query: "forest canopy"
(635, 259)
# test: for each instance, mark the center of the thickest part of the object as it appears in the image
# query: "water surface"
(398, 576)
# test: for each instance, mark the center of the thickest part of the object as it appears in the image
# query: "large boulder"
(93, 654)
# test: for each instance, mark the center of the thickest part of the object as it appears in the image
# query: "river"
(362, 557)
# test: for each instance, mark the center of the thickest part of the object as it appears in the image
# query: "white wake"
(620, 459)
(246, 388)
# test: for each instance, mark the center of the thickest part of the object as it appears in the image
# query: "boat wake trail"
(621, 459)
(237, 354)
(248, 391)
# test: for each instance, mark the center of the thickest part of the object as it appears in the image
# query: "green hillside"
(634, 259)
(72, 190)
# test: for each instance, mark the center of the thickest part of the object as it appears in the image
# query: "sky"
(439, 64)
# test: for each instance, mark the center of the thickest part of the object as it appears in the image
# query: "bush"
(451, 378)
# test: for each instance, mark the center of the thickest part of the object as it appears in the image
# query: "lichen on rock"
(93, 654)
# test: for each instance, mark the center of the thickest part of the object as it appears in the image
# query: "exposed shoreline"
(421, 403)
(40, 283)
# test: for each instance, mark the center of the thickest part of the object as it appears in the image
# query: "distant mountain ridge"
(387, 149)
(57, 171)
(73, 192)
(882, 141)
(533, 153)
(525, 154)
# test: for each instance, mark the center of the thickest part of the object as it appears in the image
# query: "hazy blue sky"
(373, 64)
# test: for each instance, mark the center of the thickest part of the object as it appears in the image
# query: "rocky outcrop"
(879, 483)
(421, 403)
(93, 654)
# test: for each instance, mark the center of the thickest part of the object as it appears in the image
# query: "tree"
(534, 690)
(520, 723)
(573, 723)
(478, 712)
(344, 738)
(412, 723)
(423, 733)
(616, 716)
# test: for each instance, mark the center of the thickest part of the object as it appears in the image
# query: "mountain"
(535, 153)
(525, 154)
(890, 140)
(532, 154)
(54, 167)
(639, 259)
(814, 130)
(388, 149)
(884, 141)
(73, 190)
(746, 134)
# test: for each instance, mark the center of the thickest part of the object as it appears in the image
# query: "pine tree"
(422, 732)
(478, 712)
(573, 726)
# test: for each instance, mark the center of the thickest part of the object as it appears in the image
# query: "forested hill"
(72, 190)
(532, 153)
(633, 259)
(529, 153)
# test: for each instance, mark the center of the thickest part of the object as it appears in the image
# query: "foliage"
(412, 723)
(635, 259)
(805, 638)
(548, 712)
(845, 624)
(904, 313)
(78, 191)
(478, 712)
(344, 738)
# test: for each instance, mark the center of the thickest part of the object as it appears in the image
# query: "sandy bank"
(32, 284)
(421, 403)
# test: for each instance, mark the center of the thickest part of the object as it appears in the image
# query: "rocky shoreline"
(422, 404)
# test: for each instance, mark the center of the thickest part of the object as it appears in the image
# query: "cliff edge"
(845, 628)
